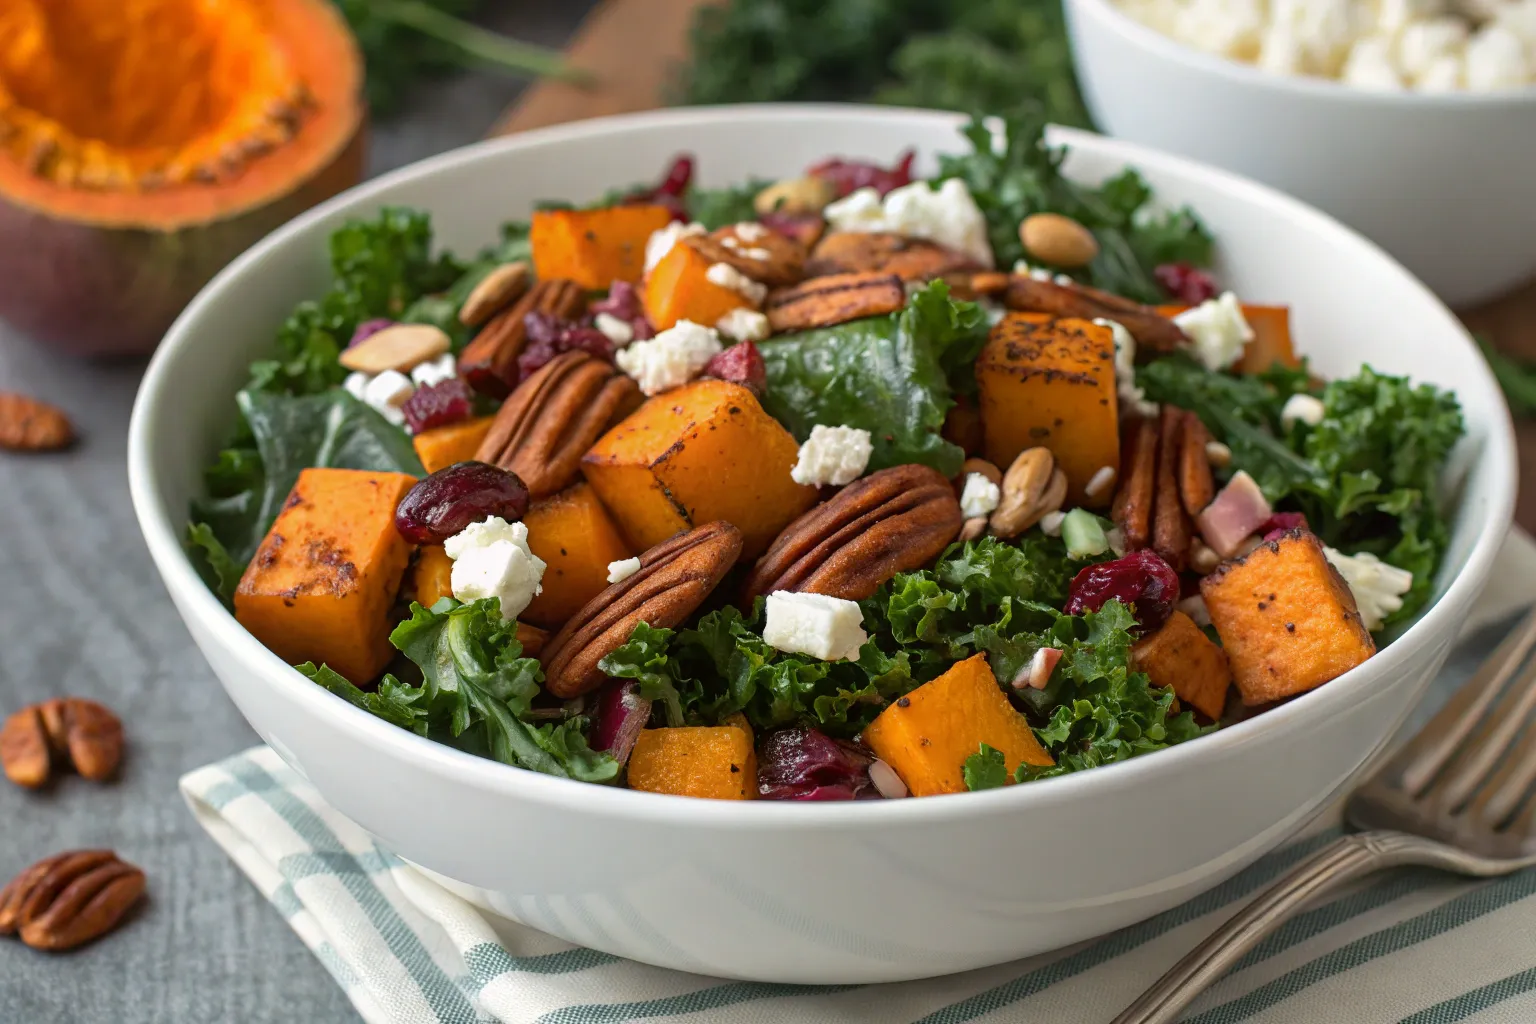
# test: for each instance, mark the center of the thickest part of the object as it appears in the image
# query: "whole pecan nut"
(674, 578)
(1165, 473)
(28, 425)
(1196, 484)
(1172, 530)
(911, 259)
(763, 255)
(835, 299)
(891, 521)
(69, 899)
(60, 733)
(1150, 328)
(489, 362)
(546, 425)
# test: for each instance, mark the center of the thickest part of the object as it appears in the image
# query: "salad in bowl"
(850, 485)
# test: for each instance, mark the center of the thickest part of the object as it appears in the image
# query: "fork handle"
(1340, 862)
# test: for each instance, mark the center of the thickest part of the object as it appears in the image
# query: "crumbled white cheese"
(672, 358)
(1446, 74)
(623, 569)
(663, 239)
(1496, 60)
(1301, 409)
(743, 324)
(1227, 27)
(750, 231)
(387, 392)
(1422, 44)
(356, 384)
(727, 276)
(615, 330)
(1377, 586)
(829, 628)
(750, 252)
(1216, 330)
(491, 558)
(1050, 523)
(979, 496)
(435, 371)
(832, 455)
(1133, 401)
(946, 215)
(1371, 65)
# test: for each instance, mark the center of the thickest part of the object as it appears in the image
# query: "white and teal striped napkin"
(1414, 947)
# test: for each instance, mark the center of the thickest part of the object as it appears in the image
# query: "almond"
(496, 290)
(396, 348)
(1032, 487)
(1058, 240)
(808, 194)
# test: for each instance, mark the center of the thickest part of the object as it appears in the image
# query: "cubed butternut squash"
(1051, 382)
(1179, 655)
(698, 453)
(927, 735)
(1286, 618)
(430, 578)
(712, 762)
(678, 288)
(594, 248)
(1271, 337)
(441, 447)
(324, 579)
(576, 538)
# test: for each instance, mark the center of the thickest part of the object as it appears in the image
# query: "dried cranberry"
(623, 301)
(850, 175)
(438, 405)
(803, 764)
(671, 190)
(1281, 523)
(548, 337)
(367, 329)
(1185, 282)
(741, 363)
(1141, 580)
(805, 228)
(444, 503)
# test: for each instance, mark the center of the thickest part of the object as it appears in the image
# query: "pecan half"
(762, 255)
(891, 521)
(1196, 485)
(1151, 506)
(546, 425)
(60, 733)
(674, 578)
(835, 299)
(1150, 328)
(1132, 507)
(69, 899)
(27, 425)
(1171, 527)
(911, 259)
(489, 362)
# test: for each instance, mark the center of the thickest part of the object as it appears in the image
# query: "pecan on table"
(1164, 483)
(69, 899)
(59, 734)
(28, 425)
(1150, 328)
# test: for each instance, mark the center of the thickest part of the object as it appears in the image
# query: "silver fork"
(1456, 797)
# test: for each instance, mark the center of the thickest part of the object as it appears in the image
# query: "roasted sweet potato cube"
(1286, 618)
(712, 762)
(1271, 337)
(323, 581)
(1049, 382)
(927, 735)
(1181, 656)
(698, 453)
(594, 248)
(576, 538)
(678, 288)
(441, 447)
(430, 578)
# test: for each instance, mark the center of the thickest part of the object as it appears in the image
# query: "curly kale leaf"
(985, 769)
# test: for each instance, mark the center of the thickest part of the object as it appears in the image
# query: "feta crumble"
(1133, 401)
(623, 569)
(743, 324)
(1301, 409)
(1216, 330)
(1377, 586)
(832, 455)
(663, 239)
(491, 558)
(672, 358)
(979, 496)
(727, 276)
(615, 330)
(356, 384)
(750, 231)
(828, 628)
(435, 371)
(387, 392)
(946, 215)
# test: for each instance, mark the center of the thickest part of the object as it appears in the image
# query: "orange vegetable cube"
(1286, 617)
(594, 248)
(1271, 337)
(698, 453)
(430, 578)
(678, 288)
(712, 762)
(1181, 656)
(576, 538)
(927, 735)
(325, 578)
(441, 447)
(1051, 383)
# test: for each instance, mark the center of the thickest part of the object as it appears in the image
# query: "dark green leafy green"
(221, 572)
(644, 659)
(985, 769)
(393, 701)
(890, 375)
(718, 207)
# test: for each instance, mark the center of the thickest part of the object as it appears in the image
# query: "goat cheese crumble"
(671, 359)
(828, 628)
(387, 392)
(743, 324)
(491, 558)
(623, 569)
(615, 330)
(1301, 409)
(663, 239)
(832, 455)
(727, 276)
(435, 371)
(1133, 401)
(946, 215)
(1217, 331)
(979, 496)
(1377, 586)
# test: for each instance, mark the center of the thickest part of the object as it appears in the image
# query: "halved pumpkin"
(146, 143)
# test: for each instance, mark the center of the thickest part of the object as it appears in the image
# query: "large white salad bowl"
(827, 893)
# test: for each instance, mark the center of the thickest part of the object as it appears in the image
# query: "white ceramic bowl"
(1444, 183)
(873, 891)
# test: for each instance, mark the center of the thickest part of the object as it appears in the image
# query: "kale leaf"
(889, 375)
(718, 207)
(221, 572)
(643, 658)
(985, 769)
(393, 701)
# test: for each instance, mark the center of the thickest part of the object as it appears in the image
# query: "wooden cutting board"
(633, 48)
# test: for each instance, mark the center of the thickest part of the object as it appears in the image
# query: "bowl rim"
(163, 528)
(1308, 86)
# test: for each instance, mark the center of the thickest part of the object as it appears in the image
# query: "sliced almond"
(396, 348)
(496, 290)
(1032, 487)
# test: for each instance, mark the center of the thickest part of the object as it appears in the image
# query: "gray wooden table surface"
(83, 613)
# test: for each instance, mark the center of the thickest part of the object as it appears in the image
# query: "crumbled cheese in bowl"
(979, 497)
(1217, 331)
(672, 358)
(663, 239)
(743, 324)
(832, 455)
(829, 628)
(946, 215)
(1377, 586)
(491, 558)
(623, 569)
(727, 276)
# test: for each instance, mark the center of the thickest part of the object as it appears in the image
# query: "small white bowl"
(1446, 183)
(823, 893)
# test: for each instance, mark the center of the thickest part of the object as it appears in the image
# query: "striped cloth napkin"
(1408, 946)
